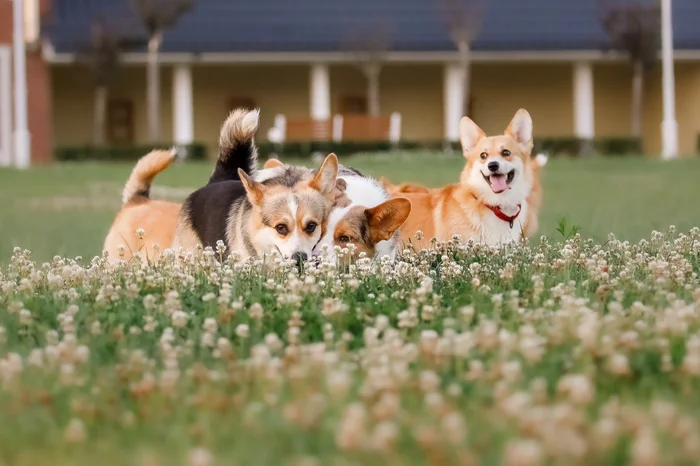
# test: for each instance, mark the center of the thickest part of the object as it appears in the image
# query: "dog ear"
(272, 163)
(386, 218)
(254, 189)
(469, 134)
(520, 128)
(324, 179)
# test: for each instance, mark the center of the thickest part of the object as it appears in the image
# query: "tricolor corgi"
(286, 213)
(499, 194)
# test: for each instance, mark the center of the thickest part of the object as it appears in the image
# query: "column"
(669, 125)
(183, 110)
(320, 92)
(453, 97)
(584, 113)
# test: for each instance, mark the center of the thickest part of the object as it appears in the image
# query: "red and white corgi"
(498, 197)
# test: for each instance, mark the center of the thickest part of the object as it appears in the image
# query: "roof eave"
(51, 56)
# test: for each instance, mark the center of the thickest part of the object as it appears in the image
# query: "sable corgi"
(159, 219)
(287, 212)
(364, 216)
(156, 218)
(499, 194)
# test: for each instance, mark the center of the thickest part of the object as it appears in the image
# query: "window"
(120, 121)
(241, 102)
(353, 105)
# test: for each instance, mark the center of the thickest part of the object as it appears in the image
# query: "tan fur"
(157, 218)
(402, 188)
(460, 209)
(272, 163)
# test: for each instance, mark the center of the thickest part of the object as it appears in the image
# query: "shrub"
(195, 151)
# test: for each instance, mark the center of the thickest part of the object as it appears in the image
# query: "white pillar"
(453, 100)
(183, 110)
(584, 112)
(22, 146)
(320, 92)
(669, 125)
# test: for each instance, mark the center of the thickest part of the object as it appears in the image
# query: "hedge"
(194, 151)
(198, 151)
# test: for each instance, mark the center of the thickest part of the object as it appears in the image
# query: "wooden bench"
(339, 128)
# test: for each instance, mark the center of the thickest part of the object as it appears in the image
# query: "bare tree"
(463, 19)
(157, 16)
(101, 56)
(634, 28)
(369, 45)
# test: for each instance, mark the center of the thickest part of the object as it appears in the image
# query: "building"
(294, 58)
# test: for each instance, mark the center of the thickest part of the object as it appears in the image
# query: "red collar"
(506, 218)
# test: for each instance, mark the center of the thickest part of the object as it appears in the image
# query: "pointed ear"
(386, 218)
(255, 190)
(273, 163)
(469, 134)
(324, 179)
(520, 128)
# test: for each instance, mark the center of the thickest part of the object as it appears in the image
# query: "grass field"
(555, 352)
(67, 209)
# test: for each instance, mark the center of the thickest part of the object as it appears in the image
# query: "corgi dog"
(364, 215)
(498, 197)
(157, 219)
(287, 212)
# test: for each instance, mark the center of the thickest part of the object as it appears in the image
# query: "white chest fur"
(494, 231)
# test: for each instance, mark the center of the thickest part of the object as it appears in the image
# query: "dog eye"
(311, 227)
(505, 152)
(282, 229)
(343, 239)
(484, 156)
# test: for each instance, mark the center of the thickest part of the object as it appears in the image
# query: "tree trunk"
(465, 63)
(100, 116)
(372, 72)
(637, 109)
(153, 91)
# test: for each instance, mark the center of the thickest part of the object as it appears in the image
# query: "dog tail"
(236, 146)
(138, 186)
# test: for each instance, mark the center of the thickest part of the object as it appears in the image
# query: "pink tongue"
(498, 183)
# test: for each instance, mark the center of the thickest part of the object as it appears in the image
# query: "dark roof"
(328, 25)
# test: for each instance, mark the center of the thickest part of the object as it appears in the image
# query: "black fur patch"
(243, 155)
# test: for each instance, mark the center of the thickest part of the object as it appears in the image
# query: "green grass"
(550, 352)
(458, 355)
(67, 209)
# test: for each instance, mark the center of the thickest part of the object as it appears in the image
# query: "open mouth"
(499, 182)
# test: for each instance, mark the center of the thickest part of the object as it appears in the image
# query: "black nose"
(300, 258)
(493, 166)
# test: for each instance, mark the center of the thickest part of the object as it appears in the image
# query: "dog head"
(369, 230)
(290, 212)
(498, 168)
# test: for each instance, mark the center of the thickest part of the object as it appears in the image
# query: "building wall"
(273, 88)
(39, 98)
(687, 109)
(498, 90)
(544, 90)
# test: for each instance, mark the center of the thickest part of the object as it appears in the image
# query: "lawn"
(67, 209)
(556, 352)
